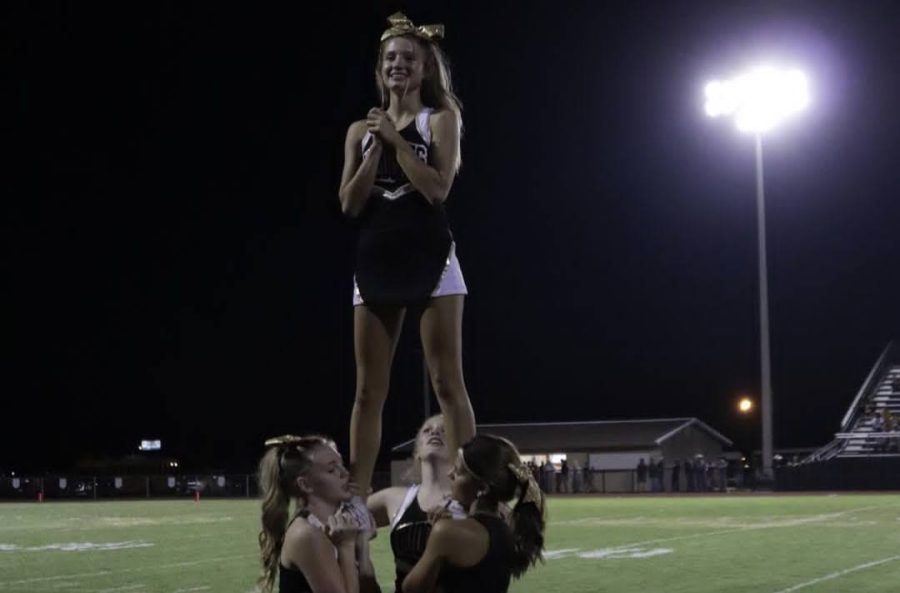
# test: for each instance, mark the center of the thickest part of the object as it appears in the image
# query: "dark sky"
(176, 265)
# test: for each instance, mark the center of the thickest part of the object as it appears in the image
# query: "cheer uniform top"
(410, 529)
(404, 241)
(292, 580)
(492, 574)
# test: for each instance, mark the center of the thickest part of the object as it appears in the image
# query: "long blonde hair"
(437, 85)
(279, 469)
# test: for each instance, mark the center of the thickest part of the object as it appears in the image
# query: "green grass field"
(733, 543)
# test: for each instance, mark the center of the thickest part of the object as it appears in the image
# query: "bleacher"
(860, 435)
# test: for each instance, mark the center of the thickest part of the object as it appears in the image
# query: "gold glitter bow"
(526, 480)
(401, 25)
(284, 440)
(290, 440)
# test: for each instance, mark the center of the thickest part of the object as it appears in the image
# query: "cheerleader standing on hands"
(400, 163)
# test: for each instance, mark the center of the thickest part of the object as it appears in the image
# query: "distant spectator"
(562, 480)
(700, 473)
(653, 471)
(676, 476)
(877, 424)
(641, 476)
(549, 471)
(724, 466)
(689, 476)
(721, 471)
(889, 424)
(575, 473)
(661, 470)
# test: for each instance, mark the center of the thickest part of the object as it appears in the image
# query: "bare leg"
(375, 334)
(441, 329)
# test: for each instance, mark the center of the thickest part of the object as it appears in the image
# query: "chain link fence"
(81, 487)
(69, 487)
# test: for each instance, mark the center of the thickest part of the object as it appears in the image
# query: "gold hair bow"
(526, 480)
(401, 25)
(283, 440)
(290, 440)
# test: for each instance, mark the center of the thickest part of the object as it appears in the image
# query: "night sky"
(176, 265)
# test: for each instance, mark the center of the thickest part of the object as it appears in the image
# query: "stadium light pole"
(759, 100)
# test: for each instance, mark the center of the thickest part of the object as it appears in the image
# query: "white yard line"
(77, 547)
(59, 578)
(787, 523)
(554, 554)
(125, 570)
(840, 573)
(627, 519)
(95, 523)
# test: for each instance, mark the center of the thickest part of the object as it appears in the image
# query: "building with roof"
(610, 448)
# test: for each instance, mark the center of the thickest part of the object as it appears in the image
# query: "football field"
(765, 543)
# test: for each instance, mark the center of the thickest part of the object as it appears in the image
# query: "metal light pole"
(764, 355)
(759, 100)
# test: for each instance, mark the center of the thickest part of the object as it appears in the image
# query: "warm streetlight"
(745, 405)
(760, 100)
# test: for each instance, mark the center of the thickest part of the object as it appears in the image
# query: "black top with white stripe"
(404, 239)
(492, 574)
(292, 580)
(408, 538)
